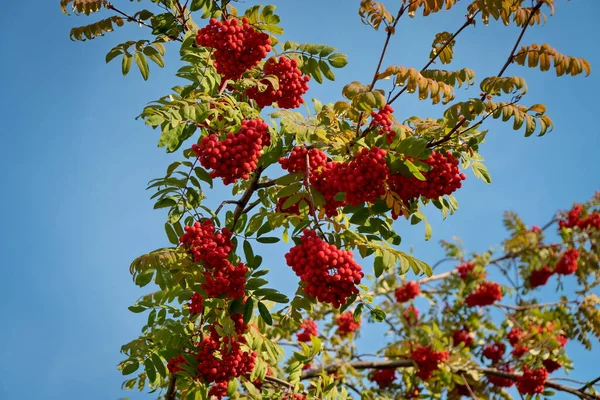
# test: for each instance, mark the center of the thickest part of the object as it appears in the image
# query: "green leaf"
(481, 172)
(378, 314)
(358, 312)
(265, 314)
(378, 266)
(154, 55)
(326, 70)
(130, 368)
(338, 60)
(171, 234)
(248, 310)
(142, 64)
(150, 370)
(268, 240)
(160, 366)
(126, 65)
(136, 309)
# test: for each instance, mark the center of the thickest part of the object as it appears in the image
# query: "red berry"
(383, 121)
(174, 363)
(309, 329)
(428, 360)
(384, 377)
(206, 244)
(540, 277)
(296, 161)
(567, 264)
(462, 336)
(486, 294)
(346, 323)
(500, 381)
(551, 365)
(494, 352)
(407, 291)
(196, 304)
(411, 315)
(532, 381)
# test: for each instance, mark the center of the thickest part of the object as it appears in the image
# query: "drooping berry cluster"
(539, 277)
(175, 362)
(515, 337)
(574, 219)
(567, 264)
(309, 328)
(292, 84)
(532, 381)
(428, 360)
(346, 323)
(196, 304)
(464, 270)
(362, 179)
(225, 278)
(329, 274)
(411, 315)
(407, 291)
(486, 294)
(383, 121)
(443, 178)
(221, 359)
(296, 161)
(500, 381)
(494, 352)
(463, 336)
(204, 243)
(236, 156)
(237, 45)
(384, 377)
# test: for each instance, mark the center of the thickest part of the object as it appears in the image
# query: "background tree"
(349, 176)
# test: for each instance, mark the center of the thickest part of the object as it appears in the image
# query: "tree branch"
(243, 202)
(172, 390)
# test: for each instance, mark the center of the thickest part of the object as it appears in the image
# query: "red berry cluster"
(384, 377)
(407, 291)
(443, 178)
(296, 161)
(346, 323)
(174, 363)
(494, 351)
(539, 277)
(362, 179)
(532, 381)
(486, 294)
(462, 336)
(237, 47)
(411, 315)
(383, 121)
(224, 278)
(536, 229)
(329, 274)
(204, 243)
(567, 264)
(292, 84)
(499, 381)
(428, 360)
(196, 304)
(309, 329)
(551, 365)
(574, 219)
(237, 156)
(515, 336)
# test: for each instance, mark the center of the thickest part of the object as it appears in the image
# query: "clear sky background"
(75, 164)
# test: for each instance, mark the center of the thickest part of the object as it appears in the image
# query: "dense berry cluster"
(494, 351)
(204, 243)
(175, 362)
(532, 381)
(383, 120)
(236, 156)
(462, 336)
(362, 179)
(574, 219)
(384, 377)
(346, 323)
(225, 278)
(329, 274)
(428, 360)
(196, 304)
(296, 161)
(292, 84)
(221, 359)
(407, 291)
(499, 381)
(411, 315)
(567, 264)
(309, 328)
(237, 47)
(486, 294)
(515, 336)
(539, 277)
(443, 178)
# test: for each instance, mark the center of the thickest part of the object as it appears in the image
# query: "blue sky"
(75, 212)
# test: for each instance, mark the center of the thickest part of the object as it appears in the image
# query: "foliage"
(339, 175)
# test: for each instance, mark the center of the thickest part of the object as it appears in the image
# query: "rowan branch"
(172, 389)
(243, 201)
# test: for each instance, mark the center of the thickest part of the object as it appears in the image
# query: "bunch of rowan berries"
(328, 274)
(296, 161)
(292, 84)
(346, 323)
(411, 315)
(443, 178)
(309, 328)
(407, 291)
(500, 381)
(175, 362)
(567, 264)
(462, 336)
(383, 121)
(204, 243)
(539, 277)
(237, 46)
(428, 360)
(196, 304)
(236, 156)
(486, 294)
(574, 219)
(384, 377)
(532, 381)
(494, 352)
(225, 278)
